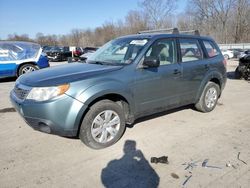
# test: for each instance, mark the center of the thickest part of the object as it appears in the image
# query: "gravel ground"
(220, 138)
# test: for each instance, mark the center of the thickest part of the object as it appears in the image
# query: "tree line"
(227, 21)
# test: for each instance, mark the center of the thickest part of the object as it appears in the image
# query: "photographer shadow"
(132, 170)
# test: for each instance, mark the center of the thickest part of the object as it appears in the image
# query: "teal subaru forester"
(127, 78)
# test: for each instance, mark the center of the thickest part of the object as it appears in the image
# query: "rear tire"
(26, 68)
(209, 98)
(103, 125)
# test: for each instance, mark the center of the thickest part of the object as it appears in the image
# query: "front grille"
(20, 93)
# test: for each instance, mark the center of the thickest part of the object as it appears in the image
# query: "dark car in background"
(46, 48)
(57, 53)
(236, 52)
(87, 52)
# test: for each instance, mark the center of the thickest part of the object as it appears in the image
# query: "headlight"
(46, 93)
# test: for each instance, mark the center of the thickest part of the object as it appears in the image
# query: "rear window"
(211, 49)
(190, 50)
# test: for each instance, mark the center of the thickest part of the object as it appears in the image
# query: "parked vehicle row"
(237, 52)
(228, 54)
(57, 53)
(233, 53)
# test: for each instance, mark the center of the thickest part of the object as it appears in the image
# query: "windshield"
(12, 51)
(119, 51)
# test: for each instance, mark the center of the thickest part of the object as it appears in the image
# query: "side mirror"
(151, 62)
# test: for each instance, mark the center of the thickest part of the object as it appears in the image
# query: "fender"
(213, 74)
(107, 87)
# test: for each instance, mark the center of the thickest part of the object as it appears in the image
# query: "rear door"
(195, 66)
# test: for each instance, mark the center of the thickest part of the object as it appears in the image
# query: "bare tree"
(135, 22)
(212, 16)
(158, 12)
(185, 22)
(41, 39)
(241, 20)
(16, 37)
(76, 36)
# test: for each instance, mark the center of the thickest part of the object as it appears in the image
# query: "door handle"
(176, 71)
(206, 66)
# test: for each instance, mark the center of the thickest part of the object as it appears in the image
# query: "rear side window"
(190, 50)
(211, 49)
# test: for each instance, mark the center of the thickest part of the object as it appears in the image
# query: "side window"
(164, 50)
(190, 50)
(211, 49)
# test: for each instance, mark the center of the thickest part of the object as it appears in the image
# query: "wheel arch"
(115, 97)
(24, 63)
(211, 77)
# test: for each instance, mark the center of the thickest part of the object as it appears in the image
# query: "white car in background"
(228, 54)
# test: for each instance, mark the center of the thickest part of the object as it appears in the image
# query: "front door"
(157, 89)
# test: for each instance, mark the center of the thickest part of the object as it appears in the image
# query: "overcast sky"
(60, 16)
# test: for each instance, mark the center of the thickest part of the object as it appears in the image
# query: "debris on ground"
(228, 164)
(238, 157)
(191, 165)
(204, 164)
(163, 159)
(188, 178)
(174, 175)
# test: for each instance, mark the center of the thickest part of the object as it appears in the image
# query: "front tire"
(209, 98)
(26, 68)
(103, 125)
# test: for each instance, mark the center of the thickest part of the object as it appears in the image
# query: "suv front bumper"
(61, 116)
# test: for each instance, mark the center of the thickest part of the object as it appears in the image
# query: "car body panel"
(60, 114)
(156, 87)
(65, 74)
(8, 70)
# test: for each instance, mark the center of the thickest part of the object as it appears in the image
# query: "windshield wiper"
(104, 63)
(96, 62)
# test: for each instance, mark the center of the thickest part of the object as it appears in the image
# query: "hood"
(64, 74)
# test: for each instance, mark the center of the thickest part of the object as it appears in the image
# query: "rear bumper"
(61, 116)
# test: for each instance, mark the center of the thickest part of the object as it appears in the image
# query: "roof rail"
(170, 31)
(195, 32)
